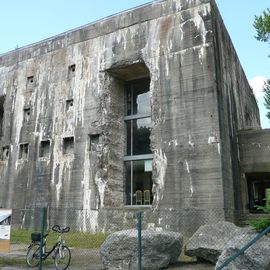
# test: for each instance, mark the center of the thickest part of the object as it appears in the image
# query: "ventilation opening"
(94, 142)
(258, 190)
(68, 145)
(26, 113)
(23, 151)
(69, 104)
(30, 80)
(5, 153)
(2, 101)
(44, 148)
(71, 70)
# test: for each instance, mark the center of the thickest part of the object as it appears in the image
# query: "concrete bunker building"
(140, 110)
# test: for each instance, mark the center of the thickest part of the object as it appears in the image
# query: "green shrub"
(261, 224)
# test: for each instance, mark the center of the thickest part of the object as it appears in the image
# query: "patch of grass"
(85, 240)
(11, 261)
(72, 239)
(19, 236)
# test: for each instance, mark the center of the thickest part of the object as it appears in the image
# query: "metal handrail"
(244, 248)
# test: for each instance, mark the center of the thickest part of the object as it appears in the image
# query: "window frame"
(129, 86)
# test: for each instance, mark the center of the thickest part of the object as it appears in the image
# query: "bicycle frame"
(58, 243)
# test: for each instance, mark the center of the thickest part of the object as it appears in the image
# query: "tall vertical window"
(138, 158)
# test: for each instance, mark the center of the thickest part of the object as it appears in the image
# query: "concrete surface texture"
(62, 114)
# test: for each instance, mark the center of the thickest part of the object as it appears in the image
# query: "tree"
(262, 26)
(266, 97)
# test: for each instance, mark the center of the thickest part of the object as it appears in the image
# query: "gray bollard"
(139, 246)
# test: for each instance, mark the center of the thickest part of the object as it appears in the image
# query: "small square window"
(44, 150)
(68, 145)
(26, 114)
(94, 140)
(5, 153)
(69, 104)
(23, 151)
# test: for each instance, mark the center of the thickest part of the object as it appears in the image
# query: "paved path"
(79, 258)
(180, 266)
(99, 267)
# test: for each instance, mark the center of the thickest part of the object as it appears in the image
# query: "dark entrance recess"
(258, 188)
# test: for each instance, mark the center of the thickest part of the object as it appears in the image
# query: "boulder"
(159, 249)
(255, 257)
(209, 241)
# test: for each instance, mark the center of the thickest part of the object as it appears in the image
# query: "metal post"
(139, 243)
(244, 248)
(43, 220)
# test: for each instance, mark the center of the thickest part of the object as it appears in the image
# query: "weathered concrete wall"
(254, 148)
(237, 110)
(179, 45)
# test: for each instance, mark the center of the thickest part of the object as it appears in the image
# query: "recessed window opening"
(258, 190)
(71, 70)
(95, 142)
(5, 153)
(2, 101)
(23, 151)
(26, 113)
(44, 150)
(69, 104)
(68, 145)
(138, 159)
(30, 80)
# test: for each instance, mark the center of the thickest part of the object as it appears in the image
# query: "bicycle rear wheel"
(62, 258)
(33, 255)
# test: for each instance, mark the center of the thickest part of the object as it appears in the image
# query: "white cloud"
(257, 84)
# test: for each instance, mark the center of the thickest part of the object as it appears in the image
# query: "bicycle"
(61, 253)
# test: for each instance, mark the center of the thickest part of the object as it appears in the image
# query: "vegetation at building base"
(260, 224)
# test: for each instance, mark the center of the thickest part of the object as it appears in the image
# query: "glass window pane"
(141, 99)
(142, 183)
(128, 183)
(141, 136)
(128, 130)
(128, 101)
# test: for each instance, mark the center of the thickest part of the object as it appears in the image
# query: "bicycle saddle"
(57, 228)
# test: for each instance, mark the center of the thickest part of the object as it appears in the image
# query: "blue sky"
(28, 21)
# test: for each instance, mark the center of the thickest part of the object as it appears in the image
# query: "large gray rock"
(159, 249)
(209, 241)
(256, 257)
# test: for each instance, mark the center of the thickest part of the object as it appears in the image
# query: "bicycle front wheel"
(62, 258)
(33, 255)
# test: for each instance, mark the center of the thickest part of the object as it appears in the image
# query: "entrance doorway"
(258, 190)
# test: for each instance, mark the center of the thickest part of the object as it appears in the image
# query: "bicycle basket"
(35, 237)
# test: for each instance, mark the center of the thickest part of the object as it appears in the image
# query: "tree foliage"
(266, 97)
(262, 26)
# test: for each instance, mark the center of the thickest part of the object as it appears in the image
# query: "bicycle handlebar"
(57, 228)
